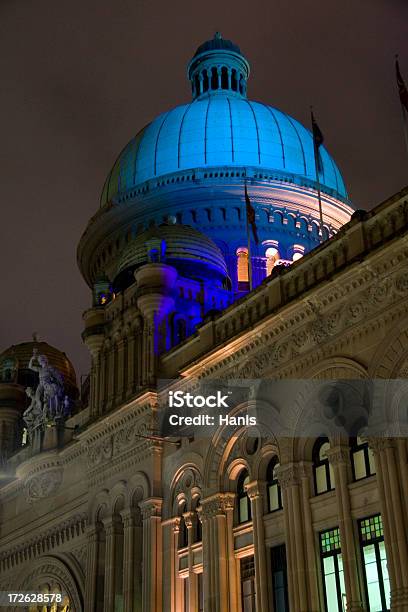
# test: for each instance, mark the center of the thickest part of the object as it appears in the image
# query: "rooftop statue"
(48, 401)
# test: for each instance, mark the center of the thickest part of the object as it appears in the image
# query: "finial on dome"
(218, 36)
(36, 337)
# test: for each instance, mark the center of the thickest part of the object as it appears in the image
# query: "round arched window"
(244, 503)
(272, 256)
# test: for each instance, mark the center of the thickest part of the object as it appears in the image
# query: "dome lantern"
(218, 66)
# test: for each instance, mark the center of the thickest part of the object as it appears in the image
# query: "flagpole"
(249, 245)
(319, 194)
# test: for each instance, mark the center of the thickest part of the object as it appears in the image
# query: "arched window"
(362, 459)
(183, 531)
(234, 83)
(272, 256)
(322, 470)
(214, 78)
(197, 85)
(205, 81)
(273, 488)
(224, 78)
(297, 256)
(242, 267)
(244, 503)
(197, 530)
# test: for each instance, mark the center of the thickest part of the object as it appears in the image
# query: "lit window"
(332, 568)
(248, 592)
(323, 472)
(297, 256)
(362, 459)
(242, 265)
(376, 579)
(272, 256)
(274, 490)
(244, 504)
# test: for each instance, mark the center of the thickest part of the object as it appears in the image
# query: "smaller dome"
(216, 43)
(14, 361)
(193, 254)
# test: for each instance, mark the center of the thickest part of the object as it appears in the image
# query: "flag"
(250, 213)
(402, 88)
(318, 140)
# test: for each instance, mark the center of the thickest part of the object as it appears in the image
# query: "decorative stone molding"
(288, 476)
(52, 570)
(217, 505)
(151, 507)
(44, 542)
(338, 455)
(43, 485)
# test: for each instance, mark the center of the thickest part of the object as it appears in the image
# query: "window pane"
(341, 579)
(332, 479)
(321, 479)
(273, 497)
(373, 586)
(384, 568)
(371, 460)
(330, 583)
(359, 464)
(243, 510)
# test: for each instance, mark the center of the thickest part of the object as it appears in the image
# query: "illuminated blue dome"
(221, 130)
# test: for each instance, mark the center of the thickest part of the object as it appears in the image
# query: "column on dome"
(261, 574)
(229, 73)
(219, 74)
(389, 480)
(339, 459)
(217, 584)
(111, 364)
(258, 270)
(301, 578)
(151, 509)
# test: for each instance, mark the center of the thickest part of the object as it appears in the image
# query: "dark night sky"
(79, 78)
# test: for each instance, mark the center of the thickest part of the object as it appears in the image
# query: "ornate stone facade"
(118, 518)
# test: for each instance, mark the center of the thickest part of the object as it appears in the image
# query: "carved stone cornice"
(44, 541)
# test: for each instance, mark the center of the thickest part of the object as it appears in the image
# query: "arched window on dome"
(224, 78)
(322, 470)
(214, 78)
(272, 256)
(297, 252)
(242, 268)
(273, 487)
(197, 85)
(234, 82)
(244, 503)
(205, 80)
